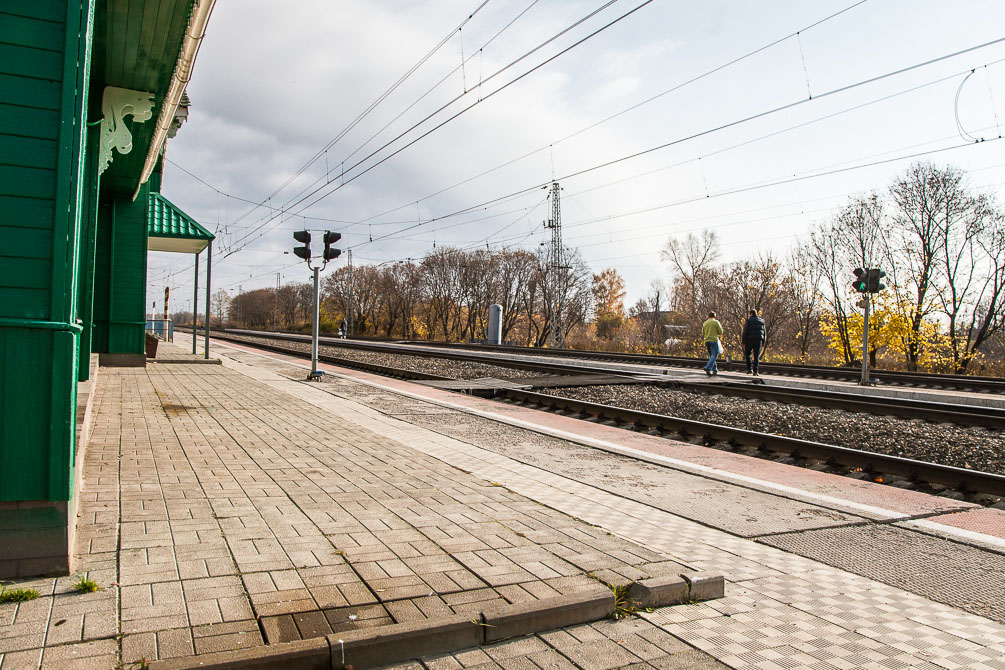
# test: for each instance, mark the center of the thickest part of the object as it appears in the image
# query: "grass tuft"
(85, 585)
(17, 595)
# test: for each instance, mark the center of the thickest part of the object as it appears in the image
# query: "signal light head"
(332, 238)
(332, 254)
(302, 236)
(302, 252)
(873, 280)
(861, 282)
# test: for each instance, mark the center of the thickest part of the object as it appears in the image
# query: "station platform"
(238, 506)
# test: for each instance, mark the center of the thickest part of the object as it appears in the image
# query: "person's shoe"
(708, 373)
(756, 375)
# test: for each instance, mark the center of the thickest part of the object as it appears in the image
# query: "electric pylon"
(556, 268)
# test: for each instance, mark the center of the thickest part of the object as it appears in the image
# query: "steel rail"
(965, 415)
(880, 465)
(988, 417)
(893, 377)
(976, 383)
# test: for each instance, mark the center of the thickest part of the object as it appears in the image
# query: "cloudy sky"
(753, 119)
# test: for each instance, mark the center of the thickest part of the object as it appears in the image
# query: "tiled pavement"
(218, 513)
(781, 610)
(217, 496)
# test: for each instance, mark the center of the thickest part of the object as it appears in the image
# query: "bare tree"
(928, 202)
(973, 265)
(443, 291)
(690, 261)
(515, 270)
(835, 248)
(804, 280)
(221, 305)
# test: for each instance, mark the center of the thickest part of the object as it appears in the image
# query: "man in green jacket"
(711, 330)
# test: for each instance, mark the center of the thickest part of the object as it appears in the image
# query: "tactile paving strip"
(959, 575)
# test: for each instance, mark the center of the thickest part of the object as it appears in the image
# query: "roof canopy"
(171, 229)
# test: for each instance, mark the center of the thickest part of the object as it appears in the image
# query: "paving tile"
(247, 487)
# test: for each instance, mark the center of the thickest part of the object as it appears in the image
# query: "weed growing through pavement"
(623, 605)
(16, 595)
(85, 585)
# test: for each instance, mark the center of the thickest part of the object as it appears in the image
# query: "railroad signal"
(874, 285)
(329, 254)
(861, 283)
(304, 238)
(331, 238)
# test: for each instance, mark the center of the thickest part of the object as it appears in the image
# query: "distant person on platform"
(753, 340)
(343, 329)
(711, 330)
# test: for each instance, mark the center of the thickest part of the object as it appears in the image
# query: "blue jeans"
(713, 353)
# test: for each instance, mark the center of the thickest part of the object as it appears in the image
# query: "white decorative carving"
(116, 103)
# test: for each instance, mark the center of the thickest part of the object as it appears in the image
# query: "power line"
(443, 123)
(635, 106)
(368, 109)
(731, 124)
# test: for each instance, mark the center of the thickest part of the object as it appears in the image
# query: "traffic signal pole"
(314, 327)
(329, 254)
(865, 342)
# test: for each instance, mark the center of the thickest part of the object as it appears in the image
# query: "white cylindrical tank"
(494, 335)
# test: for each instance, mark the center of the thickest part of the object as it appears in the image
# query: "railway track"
(884, 377)
(981, 487)
(971, 383)
(964, 415)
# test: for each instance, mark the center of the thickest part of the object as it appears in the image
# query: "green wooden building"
(89, 92)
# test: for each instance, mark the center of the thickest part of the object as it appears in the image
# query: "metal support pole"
(865, 344)
(314, 328)
(209, 287)
(195, 305)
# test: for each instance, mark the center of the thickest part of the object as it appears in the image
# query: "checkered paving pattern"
(781, 610)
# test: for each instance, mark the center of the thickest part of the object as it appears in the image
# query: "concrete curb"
(386, 645)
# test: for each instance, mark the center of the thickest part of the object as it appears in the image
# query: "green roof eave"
(171, 229)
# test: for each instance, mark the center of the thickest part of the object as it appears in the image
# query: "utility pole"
(556, 268)
(352, 295)
(275, 314)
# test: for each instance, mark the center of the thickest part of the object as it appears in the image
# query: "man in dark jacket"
(753, 340)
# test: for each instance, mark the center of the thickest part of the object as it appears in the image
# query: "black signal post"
(329, 254)
(867, 282)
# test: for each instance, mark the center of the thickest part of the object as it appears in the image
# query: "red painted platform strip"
(896, 502)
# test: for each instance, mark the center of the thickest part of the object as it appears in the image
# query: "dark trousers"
(751, 348)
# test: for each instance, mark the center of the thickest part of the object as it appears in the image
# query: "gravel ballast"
(945, 444)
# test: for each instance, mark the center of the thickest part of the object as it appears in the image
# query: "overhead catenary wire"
(692, 80)
(456, 115)
(737, 122)
(635, 106)
(370, 107)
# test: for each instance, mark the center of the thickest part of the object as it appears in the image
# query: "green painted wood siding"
(32, 43)
(120, 274)
(44, 65)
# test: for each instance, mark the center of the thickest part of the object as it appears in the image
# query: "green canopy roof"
(171, 229)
